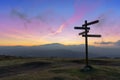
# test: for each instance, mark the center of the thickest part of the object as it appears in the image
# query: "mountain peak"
(54, 44)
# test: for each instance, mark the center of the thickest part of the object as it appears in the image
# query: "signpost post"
(86, 35)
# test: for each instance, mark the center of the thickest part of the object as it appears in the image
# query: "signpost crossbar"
(82, 33)
(91, 35)
(90, 23)
(81, 28)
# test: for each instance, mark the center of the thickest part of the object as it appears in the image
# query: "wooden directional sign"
(90, 23)
(86, 35)
(91, 35)
(83, 33)
(81, 28)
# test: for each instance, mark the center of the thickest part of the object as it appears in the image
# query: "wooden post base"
(87, 68)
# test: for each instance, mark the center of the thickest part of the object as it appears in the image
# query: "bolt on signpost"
(86, 35)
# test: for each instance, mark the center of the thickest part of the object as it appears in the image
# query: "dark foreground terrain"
(57, 69)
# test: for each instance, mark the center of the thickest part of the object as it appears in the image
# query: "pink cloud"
(80, 11)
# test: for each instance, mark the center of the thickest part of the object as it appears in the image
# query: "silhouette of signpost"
(86, 35)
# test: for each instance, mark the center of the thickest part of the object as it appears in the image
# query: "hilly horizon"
(59, 50)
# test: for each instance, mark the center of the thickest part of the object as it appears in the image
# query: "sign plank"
(91, 35)
(81, 28)
(83, 33)
(90, 23)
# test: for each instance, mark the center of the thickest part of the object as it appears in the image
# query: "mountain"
(58, 50)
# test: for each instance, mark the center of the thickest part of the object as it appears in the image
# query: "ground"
(58, 69)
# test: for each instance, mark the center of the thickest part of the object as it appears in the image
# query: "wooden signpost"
(86, 35)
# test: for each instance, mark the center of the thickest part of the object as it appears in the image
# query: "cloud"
(104, 18)
(21, 16)
(50, 16)
(108, 23)
(103, 43)
(38, 23)
(80, 10)
(117, 43)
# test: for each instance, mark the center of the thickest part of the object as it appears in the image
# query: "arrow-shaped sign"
(81, 28)
(83, 33)
(91, 35)
(90, 23)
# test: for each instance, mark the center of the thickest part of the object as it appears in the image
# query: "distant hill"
(58, 50)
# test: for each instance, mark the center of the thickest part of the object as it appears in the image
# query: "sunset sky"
(38, 22)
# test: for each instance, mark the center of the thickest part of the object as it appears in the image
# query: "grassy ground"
(58, 69)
